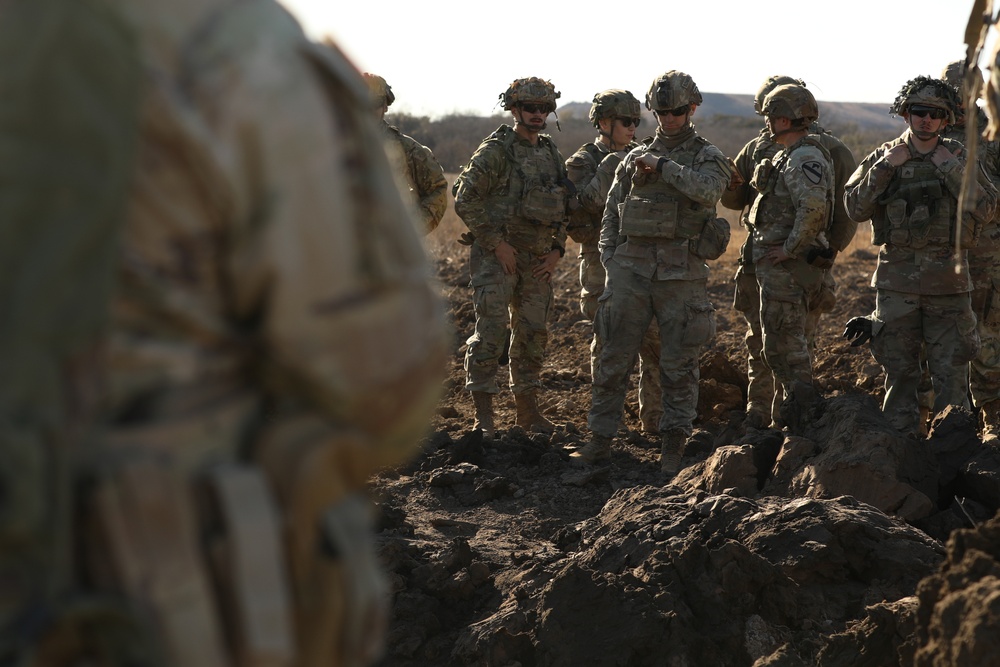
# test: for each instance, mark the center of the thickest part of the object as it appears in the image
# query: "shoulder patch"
(813, 170)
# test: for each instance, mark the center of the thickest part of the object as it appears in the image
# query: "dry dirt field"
(502, 555)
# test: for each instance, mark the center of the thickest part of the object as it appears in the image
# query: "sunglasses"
(924, 112)
(678, 112)
(629, 122)
(535, 108)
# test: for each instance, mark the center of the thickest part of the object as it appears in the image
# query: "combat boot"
(484, 413)
(528, 417)
(671, 450)
(596, 451)
(991, 422)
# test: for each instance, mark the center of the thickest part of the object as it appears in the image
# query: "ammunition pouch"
(544, 204)
(713, 240)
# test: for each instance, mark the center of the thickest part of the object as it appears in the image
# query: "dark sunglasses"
(924, 112)
(678, 112)
(629, 122)
(535, 108)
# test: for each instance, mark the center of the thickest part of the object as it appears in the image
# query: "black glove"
(821, 258)
(858, 331)
(467, 238)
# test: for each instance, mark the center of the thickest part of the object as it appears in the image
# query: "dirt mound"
(798, 548)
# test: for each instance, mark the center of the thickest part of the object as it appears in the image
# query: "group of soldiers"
(644, 214)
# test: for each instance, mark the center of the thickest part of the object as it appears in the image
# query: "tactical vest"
(656, 209)
(916, 210)
(770, 210)
(539, 197)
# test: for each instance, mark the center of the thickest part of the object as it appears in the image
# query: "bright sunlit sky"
(458, 55)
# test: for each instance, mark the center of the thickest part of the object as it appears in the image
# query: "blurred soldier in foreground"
(659, 228)
(616, 115)
(984, 263)
(513, 198)
(909, 188)
(839, 233)
(424, 176)
(274, 339)
(789, 218)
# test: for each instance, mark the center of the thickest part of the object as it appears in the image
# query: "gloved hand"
(858, 331)
(466, 238)
(821, 258)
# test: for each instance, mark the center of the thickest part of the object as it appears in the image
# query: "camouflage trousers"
(685, 319)
(592, 286)
(786, 290)
(761, 393)
(944, 327)
(984, 266)
(518, 300)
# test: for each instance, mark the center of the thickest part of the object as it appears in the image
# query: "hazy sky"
(448, 55)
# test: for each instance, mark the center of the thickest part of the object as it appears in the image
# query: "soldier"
(274, 336)
(740, 196)
(909, 189)
(789, 219)
(424, 176)
(984, 266)
(615, 114)
(659, 227)
(513, 198)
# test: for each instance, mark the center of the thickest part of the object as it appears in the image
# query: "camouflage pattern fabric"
(592, 171)
(924, 313)
(489, 198)
(939, 328)
(424, 177)
(791, 210)
(656, 278)
(746, 297)
(71, 77)
(984, 270)
(276, 314)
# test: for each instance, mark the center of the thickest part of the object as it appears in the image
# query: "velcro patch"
(813, 171)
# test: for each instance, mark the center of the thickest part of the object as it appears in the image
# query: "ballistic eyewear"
(536, 108)
(629, 122)
(922, 112)
(678, 112)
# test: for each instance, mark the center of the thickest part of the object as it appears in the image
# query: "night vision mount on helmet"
(671, 90)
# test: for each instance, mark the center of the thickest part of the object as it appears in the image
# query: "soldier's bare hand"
(507, 255)
(546, 265)
(897, 155)
(735, 179)
(775, 255)
(941, 155)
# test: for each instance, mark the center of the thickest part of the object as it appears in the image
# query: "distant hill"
(865, 115)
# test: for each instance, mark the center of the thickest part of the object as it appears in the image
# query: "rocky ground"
(837, 542)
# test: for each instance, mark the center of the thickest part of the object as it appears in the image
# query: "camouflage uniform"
(650, 243)
(592, 170)
(511, 191)
(922, 303)
(984, 269)
(275, 338)
(424, 176)
(791, 210)
(746, 299)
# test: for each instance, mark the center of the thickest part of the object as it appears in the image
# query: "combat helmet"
(928, 92)
(770, 84)
(671, 90)
(791, 101)
(381, 92)
(613, 103)
(954, 76)
(531, 90)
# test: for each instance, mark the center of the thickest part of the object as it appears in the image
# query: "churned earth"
(838, 542)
